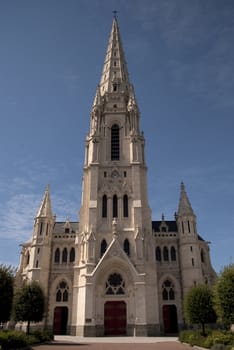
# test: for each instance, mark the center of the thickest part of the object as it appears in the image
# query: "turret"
(36, 252)
(189, 250)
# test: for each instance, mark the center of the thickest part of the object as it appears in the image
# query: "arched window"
(165, 254)
(62, 292)
(168, 290)
(202, 256)
(64, 255)
(57, 256)
(103, 247)
(115, 284)
(72, 254)
(126, 247)
(104, 206)
(115, 142)
(125, 206)
(115, 206)
(27, 258)
(158, 254)
(173, 254)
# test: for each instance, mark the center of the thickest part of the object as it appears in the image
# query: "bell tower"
(114, 180)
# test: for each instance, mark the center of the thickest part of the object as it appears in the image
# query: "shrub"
(13, 340)
(213, 338)
(219, 347)
(42, 336)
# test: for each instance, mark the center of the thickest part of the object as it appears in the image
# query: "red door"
(115, 318)
(60, 320)
(170, 319)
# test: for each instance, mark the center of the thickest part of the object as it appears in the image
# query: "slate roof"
(59, 227)
(172, 226)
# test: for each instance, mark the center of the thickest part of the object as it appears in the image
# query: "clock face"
(115, 174)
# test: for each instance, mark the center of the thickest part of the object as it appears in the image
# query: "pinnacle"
(45, 207)
(185, 207)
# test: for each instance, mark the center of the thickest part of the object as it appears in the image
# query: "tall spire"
(115, 74)
(185, 207)
(45, 207)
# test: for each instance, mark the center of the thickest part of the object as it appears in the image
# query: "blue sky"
(180, 58)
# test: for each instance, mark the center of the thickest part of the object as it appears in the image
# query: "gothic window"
(115, 206)
(115, 285)
(103, 247)
(64, 255)
(72, 254)
(173, 254)
(126, 247)
(115, 87)
(115, 142)
(168, 292)
(41, 227)
(158, 254)
(165, 254)
(125, 206)
(27, 258)
(57, 256)
(202, 256)
(67, 230)
(188, 227)
(37, 263)
(62, 292)
(104, 206)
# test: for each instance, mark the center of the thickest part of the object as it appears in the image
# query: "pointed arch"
(202, 256)
(165, 254)
(57, 256)
(168, 292)
(125, 206)
(126, 246)
(115, 142)
(104, 206)
(115, 206)
(64, 255)
(173, 254)
(72, 254)
(62, 292)
(103, 247)
(158, 254)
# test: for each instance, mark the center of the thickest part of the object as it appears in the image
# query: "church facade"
(115, 272)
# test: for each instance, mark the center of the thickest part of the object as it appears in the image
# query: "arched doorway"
(60, 320)
(115, 318)
(170, 322)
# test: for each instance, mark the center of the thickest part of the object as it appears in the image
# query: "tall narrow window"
(115, 206)
(103, 247)
(188, 227)
(125, 206)
(158, 254)
(126, 247)
(115, 142)
(173, 254)
(165, 254)
(104, 206)
(64, 255)
(41, 227)
(57, 256)
(72, 254)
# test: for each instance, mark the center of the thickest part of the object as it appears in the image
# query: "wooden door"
(60, 320)
(115, 322)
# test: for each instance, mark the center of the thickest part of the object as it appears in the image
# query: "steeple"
(115, 73)
(45, 207)
(185, 207)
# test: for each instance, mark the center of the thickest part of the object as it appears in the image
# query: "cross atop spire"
(115, 14)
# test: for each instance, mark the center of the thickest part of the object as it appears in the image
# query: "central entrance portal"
(115, 318)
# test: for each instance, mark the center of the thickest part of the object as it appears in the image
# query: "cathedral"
(115, 272)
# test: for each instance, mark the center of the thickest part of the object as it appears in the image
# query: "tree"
(29, 304)
(198, 306)
(224, 295)
(6, 291)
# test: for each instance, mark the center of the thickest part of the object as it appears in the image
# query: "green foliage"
(6, 291)
(15, 340)
(29, 304)
(42, 336)
(224, 295)
(213, 338)
(198, 306)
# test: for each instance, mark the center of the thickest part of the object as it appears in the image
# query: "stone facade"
(115, 272)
